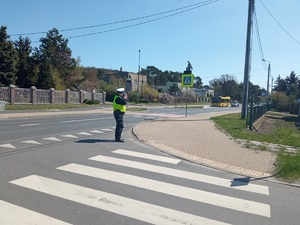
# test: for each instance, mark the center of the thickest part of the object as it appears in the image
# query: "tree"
(8, 59)
(198, 82)
(174, 89)
(91, 81)
(153, 75)
(55, 56)
(150, 94)
(27, 69)
(292, 84)
(76, 76)
(226, 85)
(280, 85)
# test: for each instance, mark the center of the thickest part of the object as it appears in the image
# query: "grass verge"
(45, 106)
(283, 130)
(288, 166)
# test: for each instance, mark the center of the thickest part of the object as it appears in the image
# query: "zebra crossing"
(120, 204)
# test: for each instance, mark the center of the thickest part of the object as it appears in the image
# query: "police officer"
(119, 107)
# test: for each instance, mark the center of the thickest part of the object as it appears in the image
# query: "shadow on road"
(93, 141)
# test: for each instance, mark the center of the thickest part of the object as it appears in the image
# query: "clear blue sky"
(212, 37)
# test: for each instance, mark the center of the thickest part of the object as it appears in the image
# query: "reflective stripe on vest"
(116, 106)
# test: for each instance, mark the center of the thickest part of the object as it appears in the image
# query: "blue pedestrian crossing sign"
(187, 80)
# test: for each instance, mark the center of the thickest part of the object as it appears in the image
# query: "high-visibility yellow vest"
(116, 106)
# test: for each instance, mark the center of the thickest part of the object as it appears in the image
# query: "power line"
(279, 23)
(193, 6)
(259, 41)
(232, 74)
(141, 23)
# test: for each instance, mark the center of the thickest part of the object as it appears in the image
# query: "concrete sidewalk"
(196, 139)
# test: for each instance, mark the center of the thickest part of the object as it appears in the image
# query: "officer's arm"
(120, 101)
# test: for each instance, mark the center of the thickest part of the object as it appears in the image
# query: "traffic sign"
(187, 80)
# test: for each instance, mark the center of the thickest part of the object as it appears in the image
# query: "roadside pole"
(187, 80)
(186, 90)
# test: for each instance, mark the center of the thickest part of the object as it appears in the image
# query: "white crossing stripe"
(107, 129)
(52, 139)
(154, 115)
(84, 133)
(29, 125)
(31, 142)
(7, 146)
(184, 174)
(142, 211)
(147, 156)
(69, 136)
(71, 121)
(172, 189)
(97, 131)
(15, 215)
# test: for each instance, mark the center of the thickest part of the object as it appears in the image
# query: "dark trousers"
(120, 125)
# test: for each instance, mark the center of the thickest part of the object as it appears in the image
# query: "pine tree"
(55, 61)
(8, 59)
(280, 85)
(27, 73)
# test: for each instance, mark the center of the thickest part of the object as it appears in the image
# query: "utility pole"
(138, 82)
(269, 69)
(247, 60)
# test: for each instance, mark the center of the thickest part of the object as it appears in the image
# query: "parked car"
(235, 104)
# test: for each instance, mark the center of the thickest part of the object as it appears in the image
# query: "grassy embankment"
(284, 130)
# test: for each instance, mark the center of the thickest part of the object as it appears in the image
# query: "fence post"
(81, 96)
(33, 95)
(251, 115)
(12, 94)
(67, 96)
(52, 96)
(103, 97)
(93, 94)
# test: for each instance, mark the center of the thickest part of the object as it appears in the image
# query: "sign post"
(187, 80)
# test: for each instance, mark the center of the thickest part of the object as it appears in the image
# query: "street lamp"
(138, 82)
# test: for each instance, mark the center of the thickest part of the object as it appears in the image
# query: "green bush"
(91, 102)
(144, 101)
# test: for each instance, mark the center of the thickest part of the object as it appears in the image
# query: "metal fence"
(255, 112)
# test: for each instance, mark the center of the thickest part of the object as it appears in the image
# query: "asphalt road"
(68, 170)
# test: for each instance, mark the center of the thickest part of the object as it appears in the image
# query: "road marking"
(184, 174)
(172, 189)
(84, 133)
(147, 156)
(29, 125)
(135, 209)
(97, 131)
(52, 139)
(7, 146)
(82, 120)
(16, 215)
(69, 136)
(31, 142)
(72, 121)
(154, 115)
(107, 129)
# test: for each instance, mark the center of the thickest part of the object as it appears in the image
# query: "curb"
(210, 163)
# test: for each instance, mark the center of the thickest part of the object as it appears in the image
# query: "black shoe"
(120, 140)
